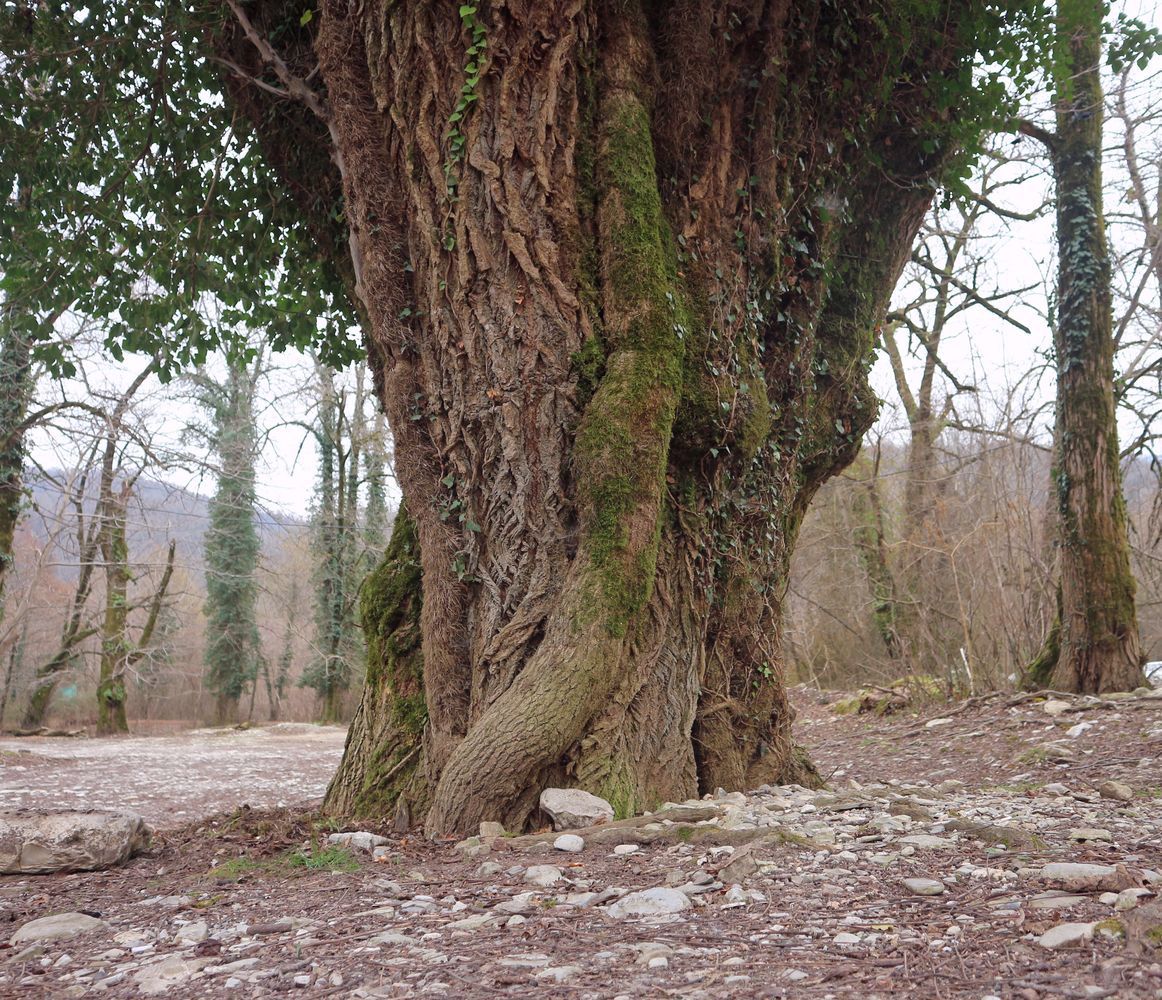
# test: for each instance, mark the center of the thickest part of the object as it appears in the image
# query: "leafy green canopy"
(132, 194)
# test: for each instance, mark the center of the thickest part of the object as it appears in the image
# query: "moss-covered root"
(1039, 673)
(381, 773)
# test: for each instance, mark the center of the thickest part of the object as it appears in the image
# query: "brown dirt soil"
(316, 931)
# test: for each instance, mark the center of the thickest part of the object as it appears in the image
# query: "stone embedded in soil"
(623, 849)
(927, 842)
(574, 808)
(1119, 791)
(1056, 707)
(1127, 899)
(357, 840)
(56, 928)
(1089, 833)
(1076, 875)
(569, 842)
(161, 977)
(924, 886)
(193, 933)
(659, 901)
(543, 875)
(1066, 934)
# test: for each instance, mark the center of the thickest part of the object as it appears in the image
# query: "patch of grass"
(1034, 755)
(1018, 787)
(1148, 793)
(685, 834)
(1111, 927)
(206, 902)
(300, 860)
(330, 859)
(236, 868)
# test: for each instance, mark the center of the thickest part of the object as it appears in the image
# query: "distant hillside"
(158, 512)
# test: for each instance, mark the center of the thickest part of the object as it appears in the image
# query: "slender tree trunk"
(12, 670)
(871, 545)
(115, 646)
(16, 383)
(1099, 647)
(621, 282)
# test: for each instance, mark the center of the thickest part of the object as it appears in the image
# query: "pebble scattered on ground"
(1032, 888)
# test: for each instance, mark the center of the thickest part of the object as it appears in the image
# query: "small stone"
(161, 976)
(1056, 707)
(652, 949)
(1066, 934)
(623, 849)
(56, 928)
(1127, 899)
(574, 808)
(490, 831)
(649, 902)
(1086, 833)
(1055, 900)
(522, 902)
(559, 973)
(845, 939)
(796, 975)
(569, 842)
(1119, 791)
(658, 962)
(924, 886)
(530, 960)
(1079, 877)
(543, 875)
(230, 967)
(486, 869)
(937, 723)
(193, 933)
(302, 980)
(358, 840)
(926, 842)
(1073, 732)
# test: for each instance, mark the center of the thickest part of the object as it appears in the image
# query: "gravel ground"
(172, 780)
(777, 893)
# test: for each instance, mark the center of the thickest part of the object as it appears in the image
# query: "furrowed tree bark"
(1094, 645)
(621, 268)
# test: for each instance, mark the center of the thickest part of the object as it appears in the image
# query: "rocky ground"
(170, 780)
(995, 848)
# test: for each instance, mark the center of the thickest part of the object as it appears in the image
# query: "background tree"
(950, 281)
(1095, 646)
(233, 654)
(342, 526)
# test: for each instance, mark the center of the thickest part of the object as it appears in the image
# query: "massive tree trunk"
(1094, 645)
(620, 267)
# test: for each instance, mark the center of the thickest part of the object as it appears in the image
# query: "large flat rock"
(36, 843)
